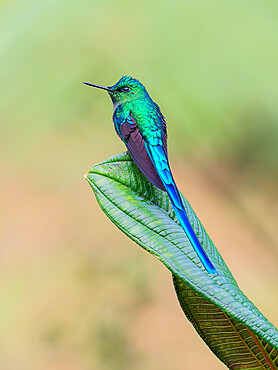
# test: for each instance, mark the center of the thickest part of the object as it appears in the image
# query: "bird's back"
(149, 119)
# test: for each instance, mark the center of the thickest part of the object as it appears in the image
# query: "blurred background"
(75, 292)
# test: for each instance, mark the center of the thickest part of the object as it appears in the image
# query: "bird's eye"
(125, 89)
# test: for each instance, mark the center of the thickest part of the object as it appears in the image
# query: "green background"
(75, 293)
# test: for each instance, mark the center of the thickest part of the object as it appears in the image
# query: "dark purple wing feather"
(136, 148)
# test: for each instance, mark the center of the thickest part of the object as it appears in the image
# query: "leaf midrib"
(243, 341)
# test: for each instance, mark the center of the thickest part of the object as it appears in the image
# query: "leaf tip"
(86, 174)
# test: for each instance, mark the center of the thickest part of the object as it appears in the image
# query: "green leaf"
(231, 341)
(223, 316)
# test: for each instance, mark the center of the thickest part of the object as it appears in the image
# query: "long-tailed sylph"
(142, 127)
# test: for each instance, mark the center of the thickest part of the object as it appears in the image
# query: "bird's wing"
(135, 144)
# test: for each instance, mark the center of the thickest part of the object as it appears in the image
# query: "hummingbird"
(141, 126)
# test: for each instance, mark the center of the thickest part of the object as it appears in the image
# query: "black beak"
(98, 86)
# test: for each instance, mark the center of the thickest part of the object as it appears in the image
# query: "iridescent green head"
(125, 90)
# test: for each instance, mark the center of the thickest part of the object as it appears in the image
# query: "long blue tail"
(174, 196)
(160, 162)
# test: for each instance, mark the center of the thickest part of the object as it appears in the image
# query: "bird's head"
(125, 90)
